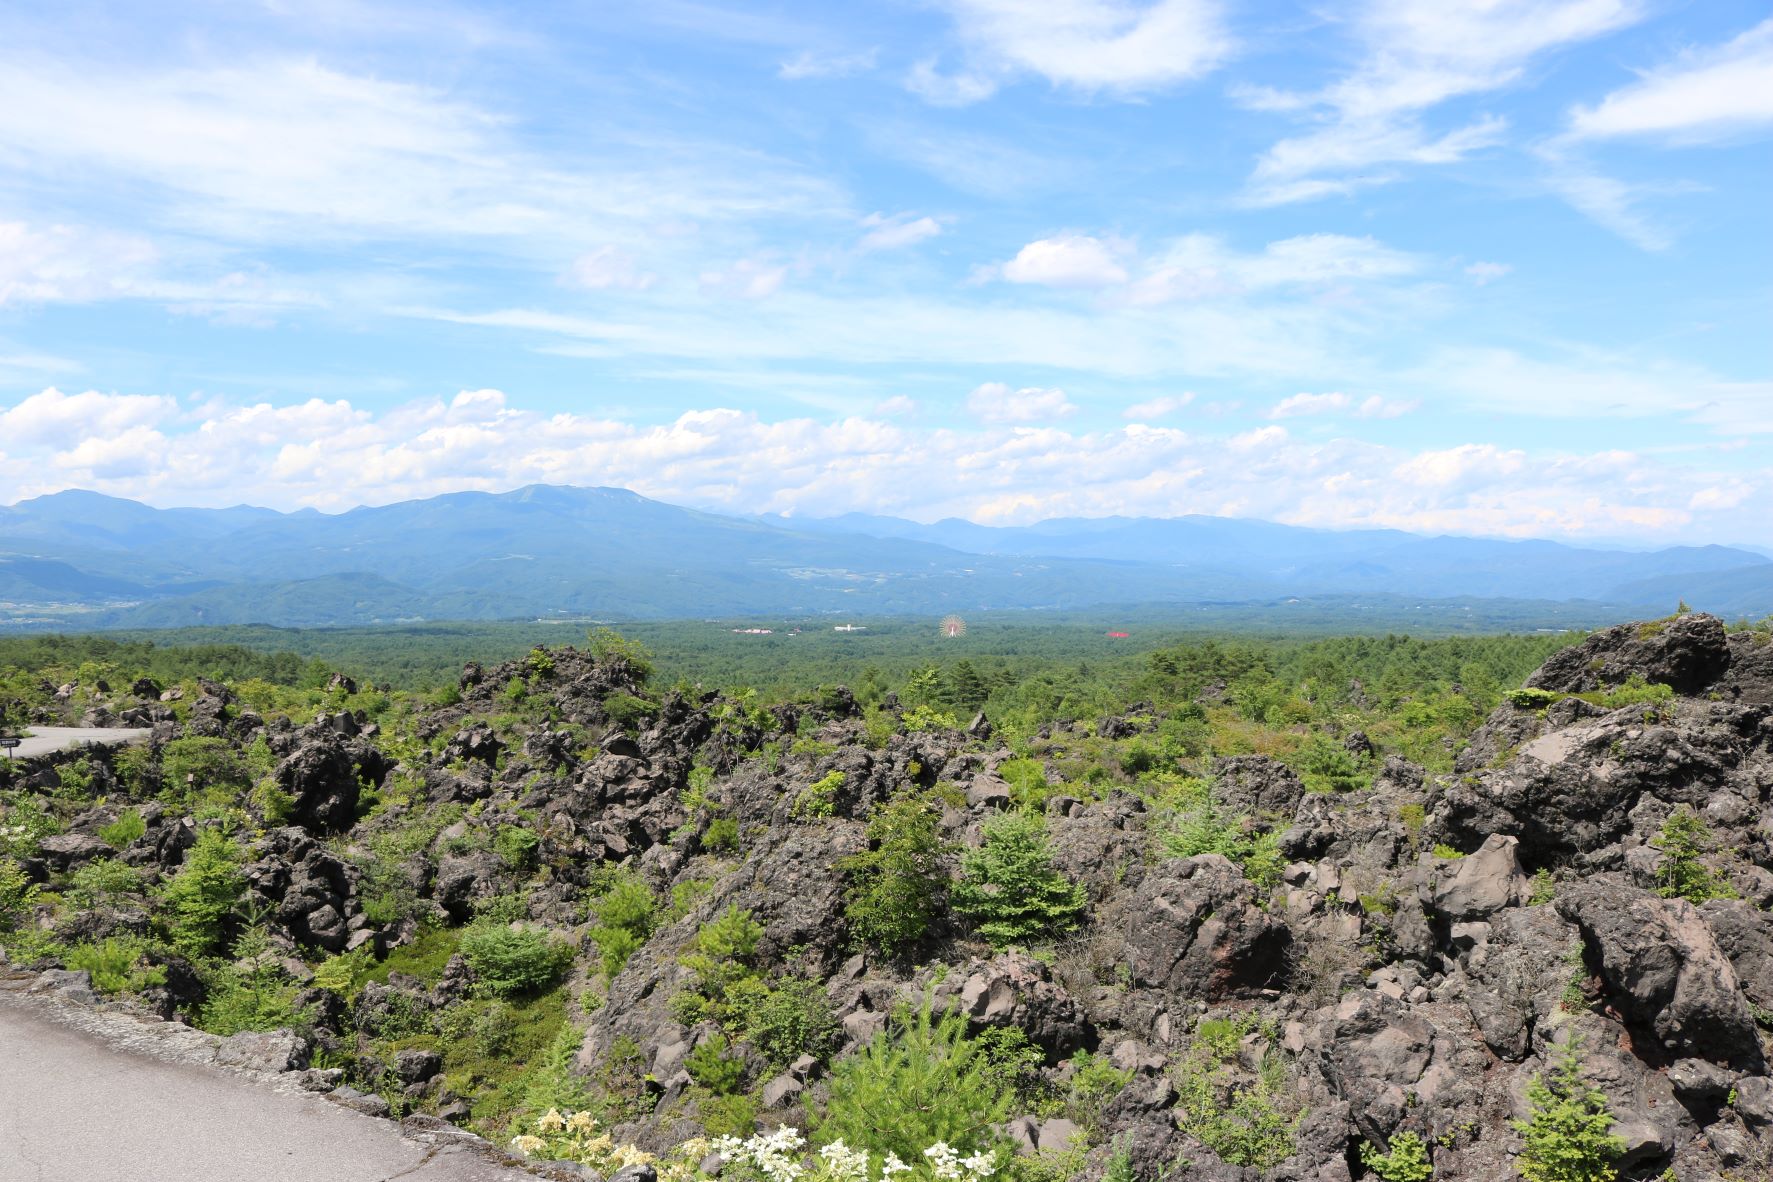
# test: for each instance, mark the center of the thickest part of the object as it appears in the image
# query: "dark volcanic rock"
(1687, 652)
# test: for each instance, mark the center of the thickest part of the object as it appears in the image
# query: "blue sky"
(1480, 266)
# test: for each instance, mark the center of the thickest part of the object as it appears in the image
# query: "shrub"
(1685, 839)
(1008, 887)
(1200, 827)
(625, 918)
(17, 893)
(344, 973)
(896, 887)
(617, 651)
(793, 1019)
(1568, 1129)
(1532, 699)
(722, 834)
(1095, 1082)
(919, 1082)
(720, 957)
(710, 1066)
(202, 769)
(819, 798)
(508, 961)
(517, 845)
(105, 880)
(125, 830)
(1407, 1160)
(116, 964)
(198, 900)
(1327, 766)
(628, 711)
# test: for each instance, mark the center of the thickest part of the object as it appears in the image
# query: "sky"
(1495, 267)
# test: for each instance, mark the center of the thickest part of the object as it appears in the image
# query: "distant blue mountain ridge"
(82, 558)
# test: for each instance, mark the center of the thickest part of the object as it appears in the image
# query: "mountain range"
(82, 558)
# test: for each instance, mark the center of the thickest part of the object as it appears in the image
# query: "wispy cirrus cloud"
(1417, 56)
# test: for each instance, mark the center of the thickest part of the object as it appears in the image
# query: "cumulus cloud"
(1071, 260)
(1125, 47)
(995, 402)
(50, 264)
(333, 455)
(1158, 408)
(901, 230)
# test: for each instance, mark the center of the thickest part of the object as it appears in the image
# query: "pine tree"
(1568, 1130)
(1009, 888)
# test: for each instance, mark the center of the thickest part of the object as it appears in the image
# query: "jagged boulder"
(1664, 971)
(1479, 885)
(322, 778)
(1257, 784)
(1687, 652)
(1195, 929)
(1013, 989)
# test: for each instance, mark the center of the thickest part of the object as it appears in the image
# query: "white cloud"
(67, 263)
(1704, 95)
(1309, 404)
(289, 149)
(1483, 273)
(808, 64)
(1158, 408)
(1071, 260)
(747, 279)
(898, 406)
(1122, 47)
(1375, 407)
(607, 268)
(898, 231)
(1417, 56)
(995, 402)
(333, 455)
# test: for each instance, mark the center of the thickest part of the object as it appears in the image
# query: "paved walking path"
(74, 1107)
(47, 739)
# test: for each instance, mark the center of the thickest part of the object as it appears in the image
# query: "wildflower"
(550, 1121)
(892, 1166)
(581, 1122)
(980, 1165)
(944, 1162)
(528, 1145)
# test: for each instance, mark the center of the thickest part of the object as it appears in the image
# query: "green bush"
(1568, 1130)
(1245, 1123)
(721, 835)
(124, 831)
(1684, 841)
(625, 913)
(629, 712)
(17, 893)
(1008, 888)
(517, 845)
(920, 1081)
(819, 798)
(1198, 826)
(1406, 1161)
(711, 1067)
(198, 901)
(720, 957)
(617, 651)
(103, 881)
(896, 888)
(509, 961)
(202, 770)
(116, 964)
(793, 1019)
(1532, 699)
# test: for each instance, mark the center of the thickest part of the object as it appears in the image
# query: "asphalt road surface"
(47, 739)
(75, 1108)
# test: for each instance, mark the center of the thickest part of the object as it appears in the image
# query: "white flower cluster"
(777, 1156)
